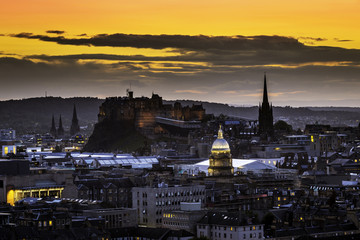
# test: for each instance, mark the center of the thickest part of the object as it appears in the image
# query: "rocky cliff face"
(116, 136)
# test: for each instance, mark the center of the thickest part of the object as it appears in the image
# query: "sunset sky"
(214, 51)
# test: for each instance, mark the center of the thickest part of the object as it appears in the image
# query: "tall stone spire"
(266, 127)
(74, 124)
(53, 128)
(265, 94)
(60, 131)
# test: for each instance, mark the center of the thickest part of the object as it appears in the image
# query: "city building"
(329, 141)
(152, 202)
(114, 191)
(114, 217)
(7, 134)
(6, 149)
(226, 225)
(184, 219)
(20, 182)
(220, 160)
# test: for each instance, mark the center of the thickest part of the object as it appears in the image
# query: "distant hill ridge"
(34, 114)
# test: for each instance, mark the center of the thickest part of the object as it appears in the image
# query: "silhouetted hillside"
(34, 114)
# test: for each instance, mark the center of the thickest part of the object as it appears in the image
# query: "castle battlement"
(143, 111)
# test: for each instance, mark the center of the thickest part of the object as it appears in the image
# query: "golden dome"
(220, 144)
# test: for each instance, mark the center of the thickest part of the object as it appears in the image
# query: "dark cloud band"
(55, 32)
(200, 42)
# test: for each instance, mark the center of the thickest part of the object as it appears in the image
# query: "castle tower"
(53, 128)
(220, 160)
(60, 131)
(74, 129)
(266, 127)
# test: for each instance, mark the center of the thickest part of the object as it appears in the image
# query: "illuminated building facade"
(20, 182)
(6, 149)
(220, 159)
(14, 195)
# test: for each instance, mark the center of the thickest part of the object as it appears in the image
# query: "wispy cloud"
(228, 92)
(190, 91)
(59, 32)
(318, 39)
(342, 40)
(272, 94)
(311, 40)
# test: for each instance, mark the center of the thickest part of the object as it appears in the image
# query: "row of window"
(250, 228)
(224, 235)
(96, 191)
(176, 216)
(177, 224)
(176, 203)
(102, 198)
(182, 193)
(113, 220)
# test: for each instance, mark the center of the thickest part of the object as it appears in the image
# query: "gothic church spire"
(74, 129)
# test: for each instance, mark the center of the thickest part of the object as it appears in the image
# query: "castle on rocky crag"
(144, 111)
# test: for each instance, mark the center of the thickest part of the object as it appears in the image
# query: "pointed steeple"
(266, 129)
(53, 128)
(74, 118)
(60, 131)
(265, 94)
(74, 124)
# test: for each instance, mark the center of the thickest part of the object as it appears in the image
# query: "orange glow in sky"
(330, 19)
